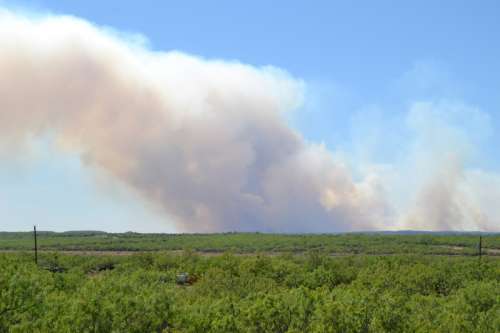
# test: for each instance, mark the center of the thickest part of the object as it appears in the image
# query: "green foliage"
(353, 243)
(250, 293)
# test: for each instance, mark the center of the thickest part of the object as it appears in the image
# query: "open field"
(352, 243)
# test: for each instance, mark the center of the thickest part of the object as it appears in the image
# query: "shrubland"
(308, 292)
(348, 243)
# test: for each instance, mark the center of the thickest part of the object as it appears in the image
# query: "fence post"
(480, 246)
(36, 245)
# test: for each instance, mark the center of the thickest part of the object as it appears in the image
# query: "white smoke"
(208, 141)
(205, 140)
(434, 187)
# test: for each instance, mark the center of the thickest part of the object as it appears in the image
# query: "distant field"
(350, 243)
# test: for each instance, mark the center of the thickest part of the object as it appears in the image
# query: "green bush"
(250, 293)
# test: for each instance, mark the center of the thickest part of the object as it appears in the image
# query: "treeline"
(253, 293)
(374, 243)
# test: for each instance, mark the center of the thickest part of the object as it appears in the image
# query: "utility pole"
(36, 247)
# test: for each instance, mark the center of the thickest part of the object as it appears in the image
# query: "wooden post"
(36, 246)
(480, 246)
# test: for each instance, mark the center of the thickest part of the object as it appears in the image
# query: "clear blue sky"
(354, 56)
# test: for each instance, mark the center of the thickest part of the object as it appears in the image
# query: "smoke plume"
(207, 141)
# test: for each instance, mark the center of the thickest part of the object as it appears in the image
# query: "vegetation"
(255, 283)
(313, 292)
(353, 243)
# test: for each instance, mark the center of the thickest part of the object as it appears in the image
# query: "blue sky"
(359, 59)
